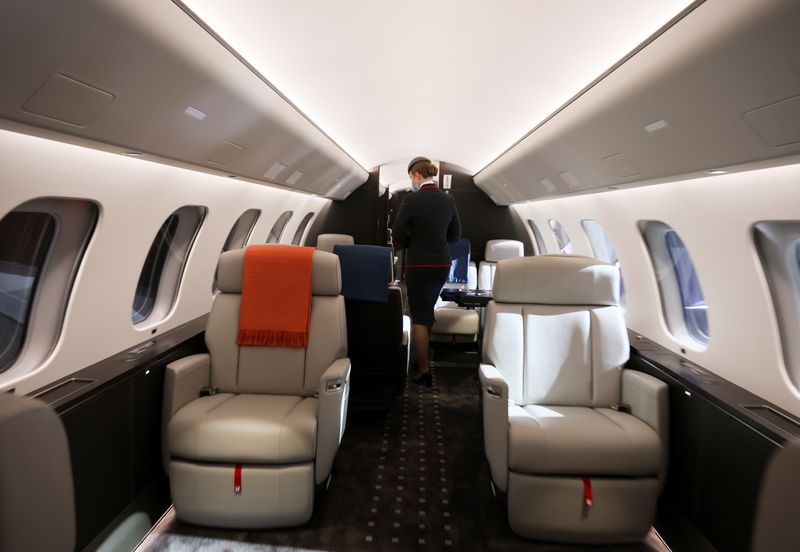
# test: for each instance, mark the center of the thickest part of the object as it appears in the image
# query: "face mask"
(414, 187)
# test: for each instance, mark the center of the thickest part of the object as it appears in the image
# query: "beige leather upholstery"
(37, 510)
(252, 429)
(326, 242)
(453, 323)
(576, 440)
(326, 277)
(452, 319)
(496, 250)
(279, 412)
(555, 345)
(557, 280)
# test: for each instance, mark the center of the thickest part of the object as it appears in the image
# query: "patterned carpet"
(415, 479)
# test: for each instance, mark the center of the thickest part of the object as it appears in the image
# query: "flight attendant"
(426, 223)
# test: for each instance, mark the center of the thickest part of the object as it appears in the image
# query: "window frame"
(564, 247)
(236, 240)
(654, 234)
(302, 227)
(611, 256)
(777, 244)
(278, 231)
(75, 223)
(171, 274)
(538, 238)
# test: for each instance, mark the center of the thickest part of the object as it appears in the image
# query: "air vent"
(68, 100)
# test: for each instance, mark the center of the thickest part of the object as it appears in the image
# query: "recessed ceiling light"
(296, 175)
(547, 185)
(133, 154)
(717, 171)
(276, 169)
(194, 113)
(658, 125)
(570, 179)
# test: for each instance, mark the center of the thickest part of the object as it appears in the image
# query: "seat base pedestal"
(553, 508)
(271, 496)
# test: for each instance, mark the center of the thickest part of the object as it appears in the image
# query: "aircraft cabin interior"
(370, 275)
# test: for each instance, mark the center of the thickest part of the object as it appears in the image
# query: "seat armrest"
(183, 380)
(334, 391)
(648, 398)
(493, 382)
(406, 331)
(495, 423)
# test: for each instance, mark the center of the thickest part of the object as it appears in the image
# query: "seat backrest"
(326, 242)
(276, 370)
(374, 309)
(497, 250)
(37, 509)
(555, 330)
(366, 271)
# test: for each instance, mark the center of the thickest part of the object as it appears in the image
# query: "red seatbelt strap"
(587, 492)
(237, 479)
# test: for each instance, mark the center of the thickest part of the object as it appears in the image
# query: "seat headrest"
(326, 279)
(366, 271)
(556, 280)
(326, 242)
(497, 250)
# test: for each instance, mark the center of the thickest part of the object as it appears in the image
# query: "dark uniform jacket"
(426, 223)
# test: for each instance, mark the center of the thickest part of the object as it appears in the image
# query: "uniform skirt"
(423, 286)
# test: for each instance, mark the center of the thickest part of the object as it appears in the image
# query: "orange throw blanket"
(276, 296)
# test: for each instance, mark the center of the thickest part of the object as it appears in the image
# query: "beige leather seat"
(496, 250)
(279, 413)
(454, 324)
(555, 345)
(37, 509)
(326, 242)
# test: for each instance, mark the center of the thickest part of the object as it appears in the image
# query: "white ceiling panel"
(452, 79)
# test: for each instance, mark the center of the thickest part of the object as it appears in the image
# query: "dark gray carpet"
(413, 479)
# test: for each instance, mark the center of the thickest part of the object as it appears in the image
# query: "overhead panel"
(150, 79)
(717, 89)
(68, 100)
(778, 124)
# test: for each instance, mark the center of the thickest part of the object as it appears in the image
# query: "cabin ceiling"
(452, 80)
(538, 99)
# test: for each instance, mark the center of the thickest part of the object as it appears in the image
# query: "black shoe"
(424, 379)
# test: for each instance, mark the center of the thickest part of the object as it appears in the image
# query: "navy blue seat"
(377, 343)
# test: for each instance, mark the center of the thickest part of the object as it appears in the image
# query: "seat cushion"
(574, 440)
(256, 429)
(456, 321)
